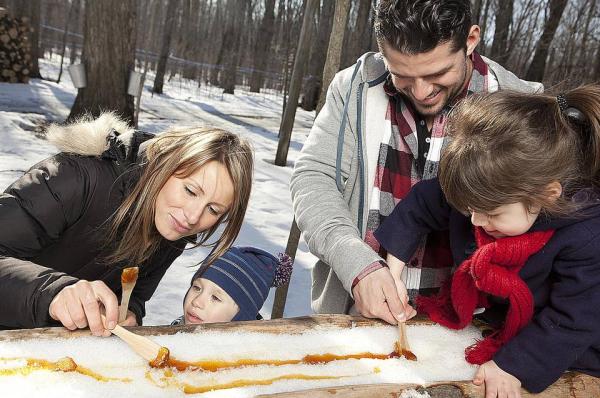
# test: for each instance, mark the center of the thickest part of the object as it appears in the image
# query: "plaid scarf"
(397, 172)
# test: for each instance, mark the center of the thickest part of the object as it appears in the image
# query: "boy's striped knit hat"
(247, 274)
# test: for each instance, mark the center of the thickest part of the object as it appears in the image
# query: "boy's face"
(206, 302)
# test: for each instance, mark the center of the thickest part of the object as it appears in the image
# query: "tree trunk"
(476, 11)
(499, 52)
(287, 121)
(361, 41)
(107, 60)
(538, 64)
(313, 84)
(583, 48)
(334, 52)
(516, 37)
(596, 75)
(35, 37)
(166, 44)
(332, 65)
(76, 25)
(483, 22)
(231, 42)
(64, 41)
(263, 43)
(571, 42)
(218, 61)
(189, 20)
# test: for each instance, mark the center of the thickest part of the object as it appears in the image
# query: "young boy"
(234, 287)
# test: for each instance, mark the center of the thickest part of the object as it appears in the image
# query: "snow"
(252, 115)
(440, 354)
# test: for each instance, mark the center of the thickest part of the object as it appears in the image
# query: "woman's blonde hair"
(507, 147)
(181, 152)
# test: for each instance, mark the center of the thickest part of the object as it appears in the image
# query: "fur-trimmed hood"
(90, 137)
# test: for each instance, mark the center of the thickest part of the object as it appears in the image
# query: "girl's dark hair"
(418, 26)
(507, 147)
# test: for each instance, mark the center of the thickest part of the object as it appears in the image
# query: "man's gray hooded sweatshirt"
(333, 177)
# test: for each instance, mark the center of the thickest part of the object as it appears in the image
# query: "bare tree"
(476, 11)
(571, 42)
(261, 49)
(166, 44)
(76, 28)
(332, 65)
(289, 114)
(504, 16)
(538, 64)
(64, 40)
(220, 18)
(313, 83)
(585, 41)
(359, 40)
(596, 75)
(334, 51)
(482, 21)
(231, 44)
(107, 61)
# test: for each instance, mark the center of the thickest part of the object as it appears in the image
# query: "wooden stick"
(403, 336)
(143, 346)
(128, 279)
(400, 342)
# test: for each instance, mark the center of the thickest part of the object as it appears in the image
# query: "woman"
(108, 201)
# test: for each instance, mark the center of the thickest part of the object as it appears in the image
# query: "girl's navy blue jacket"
(564, 278)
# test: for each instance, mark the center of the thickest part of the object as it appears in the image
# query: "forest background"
(253, 43)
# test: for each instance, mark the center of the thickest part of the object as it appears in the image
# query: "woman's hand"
(498, 383)
(396, 266)
(80, 305)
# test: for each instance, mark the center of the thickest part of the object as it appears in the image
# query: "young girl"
(114, 198)
(518, 192)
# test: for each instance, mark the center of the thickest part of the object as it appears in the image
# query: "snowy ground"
(255, 116)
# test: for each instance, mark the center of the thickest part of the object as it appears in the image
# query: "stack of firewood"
(15, 54)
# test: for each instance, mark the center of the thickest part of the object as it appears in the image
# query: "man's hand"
(498, 383)
(80, 305)
(376, 296)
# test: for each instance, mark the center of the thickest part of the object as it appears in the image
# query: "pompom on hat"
(247, 274)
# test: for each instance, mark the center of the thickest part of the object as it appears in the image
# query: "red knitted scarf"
(493, 269)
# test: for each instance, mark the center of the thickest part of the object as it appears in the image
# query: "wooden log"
(276, 326)
(14, 50)
(571, 384)
(439, 390)
(280, 326)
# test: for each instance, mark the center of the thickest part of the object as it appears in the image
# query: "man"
(380, 132)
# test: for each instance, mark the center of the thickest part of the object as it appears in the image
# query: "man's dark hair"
(418, 26)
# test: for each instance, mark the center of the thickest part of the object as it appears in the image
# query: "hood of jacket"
(107, 136)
